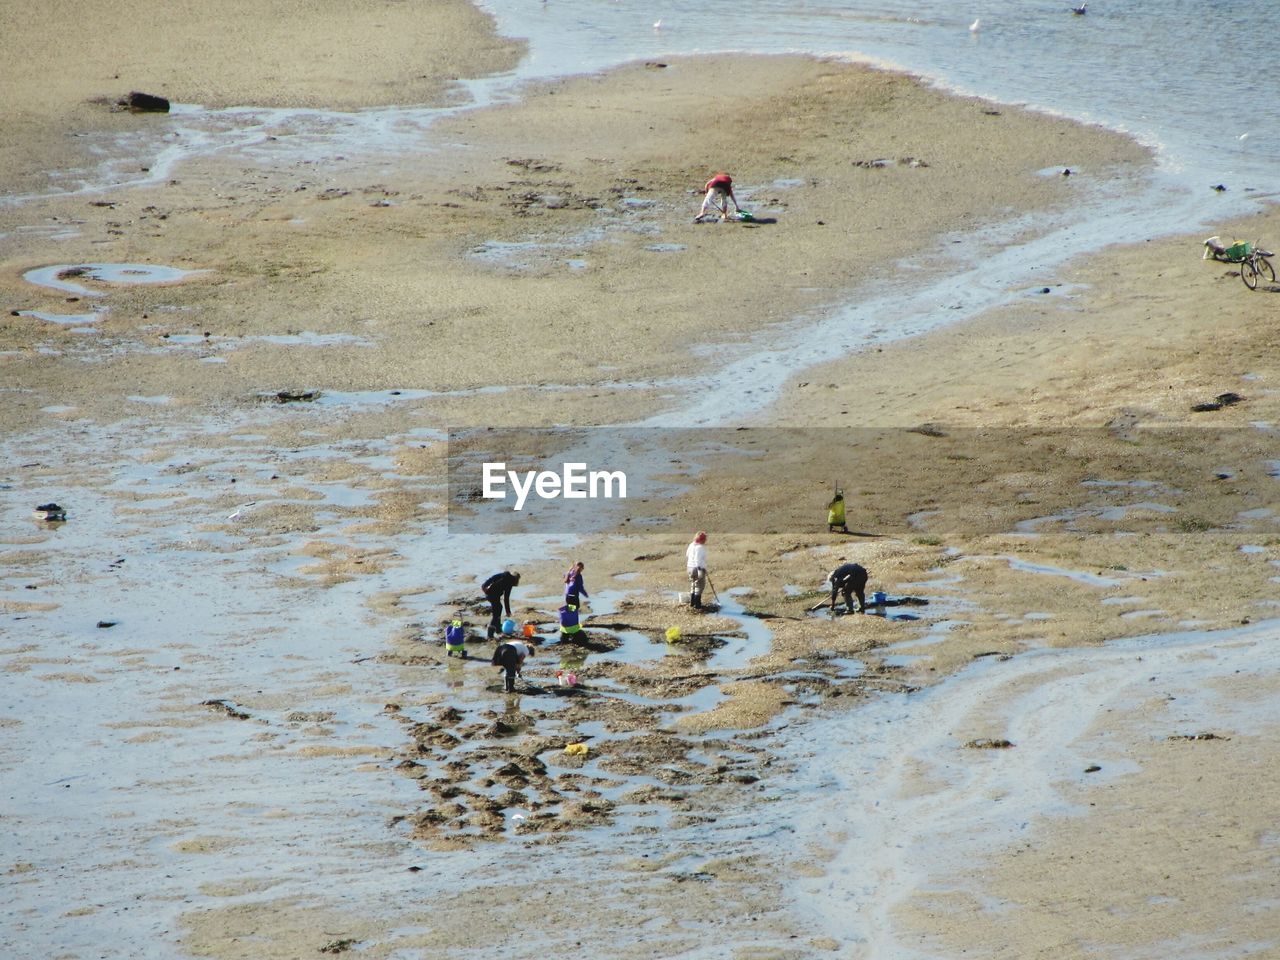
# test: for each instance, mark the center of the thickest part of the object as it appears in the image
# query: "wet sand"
(545, 246)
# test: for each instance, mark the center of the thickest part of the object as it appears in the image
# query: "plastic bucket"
(508, 626)
(530, 629)
(878, 597)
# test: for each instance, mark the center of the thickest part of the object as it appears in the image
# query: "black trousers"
(510, 663)
(495, 616)
(849, 589)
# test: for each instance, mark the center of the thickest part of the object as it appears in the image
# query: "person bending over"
(497, 590)
(510, 656)
(849, 579)
(719, 192)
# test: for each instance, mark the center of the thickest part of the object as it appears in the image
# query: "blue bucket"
(508, 626)
(878, 597)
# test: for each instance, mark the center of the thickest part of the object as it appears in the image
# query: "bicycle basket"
(1238, 250)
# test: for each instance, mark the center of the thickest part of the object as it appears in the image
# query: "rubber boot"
(511, 684)
(695, 601)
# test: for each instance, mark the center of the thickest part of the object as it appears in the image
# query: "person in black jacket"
(497, 590)
(849, 578)
(510, 656)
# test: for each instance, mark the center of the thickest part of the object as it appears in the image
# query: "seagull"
(973, 27)
(1081, 10)
(657, 24)
(1243, 136)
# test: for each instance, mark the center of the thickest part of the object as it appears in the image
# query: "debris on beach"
(927, 430)
(1217, 403)
(1197, 736)
(227, 707)
(292, 396)
(986, 743)
(138, 102)
(51, 512)
(339, 946)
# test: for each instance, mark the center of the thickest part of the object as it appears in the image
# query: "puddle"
(936, 633)
(1057, 171)
(1261, 513)
(666, 247)
(738, 652)
(1122, 484)
(65, 319)
(1079, 576)
(1120, 512)
(60, 276)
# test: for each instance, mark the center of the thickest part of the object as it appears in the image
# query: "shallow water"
(918, 810)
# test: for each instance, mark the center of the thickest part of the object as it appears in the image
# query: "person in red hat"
(719, 192)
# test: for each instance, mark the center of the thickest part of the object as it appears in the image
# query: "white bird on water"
(1243, 136)
(657, 24)
(973, 27)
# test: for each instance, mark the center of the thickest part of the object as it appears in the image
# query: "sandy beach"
(252, 452)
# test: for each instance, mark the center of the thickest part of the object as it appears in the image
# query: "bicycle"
(1254, 262)
(1257, 264)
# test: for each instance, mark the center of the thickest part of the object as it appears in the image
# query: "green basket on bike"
(1238, 250)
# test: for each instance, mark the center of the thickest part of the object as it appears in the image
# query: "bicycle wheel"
(1249, 274)
(1265, 270)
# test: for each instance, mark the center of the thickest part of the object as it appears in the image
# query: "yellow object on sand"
(673, 634)
(576, 749)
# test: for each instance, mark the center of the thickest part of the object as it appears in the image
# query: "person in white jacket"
(696, 563)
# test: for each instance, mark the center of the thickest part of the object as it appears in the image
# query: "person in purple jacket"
(573, 585)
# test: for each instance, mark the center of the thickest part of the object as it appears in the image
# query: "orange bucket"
(529, 630)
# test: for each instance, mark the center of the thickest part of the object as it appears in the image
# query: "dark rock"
(145, 103)
(294, 396)
(230, 709)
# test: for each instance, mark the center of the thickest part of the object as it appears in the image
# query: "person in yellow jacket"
(835, 514)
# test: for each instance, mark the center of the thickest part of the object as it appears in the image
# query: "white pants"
(715, 198)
